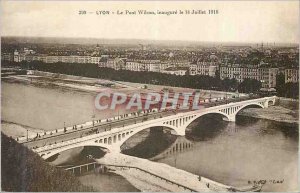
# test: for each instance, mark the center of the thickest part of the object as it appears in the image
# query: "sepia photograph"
(149, 96)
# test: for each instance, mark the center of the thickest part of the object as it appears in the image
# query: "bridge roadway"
(98, 127)
(61, 136)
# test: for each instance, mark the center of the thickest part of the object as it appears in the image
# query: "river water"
(48, 108)
(248, 150)
(231, 153)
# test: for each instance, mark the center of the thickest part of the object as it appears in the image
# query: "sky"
(237, 21)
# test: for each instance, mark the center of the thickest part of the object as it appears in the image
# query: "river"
(48, 107)
(231, 153)
(248, 150)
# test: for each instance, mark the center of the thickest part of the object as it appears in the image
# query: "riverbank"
(87, 84)
(148, 182)
(275, 113)
(15, 130)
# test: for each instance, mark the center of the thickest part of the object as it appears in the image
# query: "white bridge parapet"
(114, 138)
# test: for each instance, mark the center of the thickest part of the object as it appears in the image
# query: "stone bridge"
(114, 138)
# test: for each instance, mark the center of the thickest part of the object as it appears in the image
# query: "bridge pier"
(266, 104)
(231, 118)
(180, 131)
(115, 148)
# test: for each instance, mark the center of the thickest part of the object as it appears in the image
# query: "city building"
(203, 68)
(165, 64)
(266, 75)
(110, 63)
(150, 65)
(103, 61)
(291, 75)
(133, 65)
(119, 64)
(179, 63)
(7, 56)
(30, 55)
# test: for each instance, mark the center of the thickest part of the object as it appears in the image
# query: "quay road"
(158, 174)
(97, 127)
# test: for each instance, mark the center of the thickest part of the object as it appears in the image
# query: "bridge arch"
(251, 104)
(229, 116)
(48, 154)
(224, 115)
(135, 131)
(112, 142)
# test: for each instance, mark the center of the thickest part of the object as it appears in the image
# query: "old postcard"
(140, 96)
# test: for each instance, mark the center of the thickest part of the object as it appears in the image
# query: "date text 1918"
(213, 11)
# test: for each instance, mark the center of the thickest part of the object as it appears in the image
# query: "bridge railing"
(87, 166)
(83, 126)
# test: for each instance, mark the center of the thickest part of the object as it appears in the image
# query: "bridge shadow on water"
(206, 127)
(77, 156)
(148, 143)
(180, 145)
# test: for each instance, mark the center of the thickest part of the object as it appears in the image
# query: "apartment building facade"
(291, 75)
(203, 68)
(266, 75)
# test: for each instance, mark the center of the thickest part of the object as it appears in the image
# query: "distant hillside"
(24, 171)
